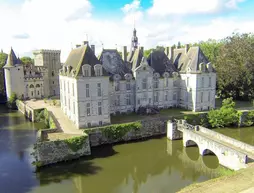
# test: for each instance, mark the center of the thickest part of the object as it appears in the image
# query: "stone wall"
(26, 110)
(149, 128)
(234, 142)
(49, 152)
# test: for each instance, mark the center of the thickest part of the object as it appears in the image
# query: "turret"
(14, 76)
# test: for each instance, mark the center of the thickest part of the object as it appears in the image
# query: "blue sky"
(43, 24)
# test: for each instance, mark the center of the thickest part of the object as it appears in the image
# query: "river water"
(152, 166)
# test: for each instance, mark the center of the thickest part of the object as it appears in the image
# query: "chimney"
(171, 53)
(187, 47)
(78, 45)
(166, 51)
(85, 42)
(142, 49)
(93, 48)
(124, 54)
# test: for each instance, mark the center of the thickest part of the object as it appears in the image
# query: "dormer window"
(98, 70)
(86, 70)
(156, 83)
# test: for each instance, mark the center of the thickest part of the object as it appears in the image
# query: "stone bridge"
(231, 153)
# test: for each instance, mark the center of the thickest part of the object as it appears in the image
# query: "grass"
(232, 181)
(239, 105)
(164, 113)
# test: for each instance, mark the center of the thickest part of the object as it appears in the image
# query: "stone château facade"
(92, 88)
(33, 81)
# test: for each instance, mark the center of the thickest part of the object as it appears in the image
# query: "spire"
(134, 40)
(11, 60)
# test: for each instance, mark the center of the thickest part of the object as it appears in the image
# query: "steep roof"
(136, 58)
(80, 56)
(189, 61)
(160, 62)
(112, 62)
(12, 60)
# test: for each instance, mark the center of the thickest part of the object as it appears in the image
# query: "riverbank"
(239, 181)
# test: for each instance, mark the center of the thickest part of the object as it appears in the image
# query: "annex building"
(92, 88)
(33, 81)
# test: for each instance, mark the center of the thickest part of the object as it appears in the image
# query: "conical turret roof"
(11, 60)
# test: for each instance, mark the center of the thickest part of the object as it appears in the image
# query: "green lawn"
(165, 113)
(240, 105)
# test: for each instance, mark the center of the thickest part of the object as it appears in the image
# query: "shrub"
(76, 143)
(11, 103)
(249, 119)
(54, 102)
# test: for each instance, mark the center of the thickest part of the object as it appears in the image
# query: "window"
(53, 82)
(209, 96)
(156, 97)
(53, 73)
(32, 93)
(99, 89)
(175, 83)
(128, 99)
(174, 96)
(138, 101)
(86, 72)
(201, 97)
(144, 82)
(68, 87)
(64, 85)
(156, 83)
(100, 123)
(188, 81)
(166, 96)
(210, 81)
(99, 108)
(166, 82)
(117, 86)
(98, 72)
(128, 85)
(117, 100)
(88, 109)
(69, 104)
(203, 82)
(186, 96)
(38, 92)
(87, 90)
(74, 108)
(72, 89)
(89, 125)
(64, 100)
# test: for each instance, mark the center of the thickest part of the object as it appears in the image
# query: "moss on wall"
(76, 143)
(42, 115)
(117, 131)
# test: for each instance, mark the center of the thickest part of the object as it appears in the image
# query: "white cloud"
(167, 7)
(132, 12)
(51, 26)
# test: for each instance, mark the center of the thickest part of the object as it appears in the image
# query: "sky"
(27, 25)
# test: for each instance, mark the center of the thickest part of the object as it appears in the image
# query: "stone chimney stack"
(85, 42)
(166, 51)
(124, 54)
(187, 47)
(171, 53)
(93, 48)
(142, 49)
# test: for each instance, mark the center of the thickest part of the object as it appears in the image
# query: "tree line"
(232, 58)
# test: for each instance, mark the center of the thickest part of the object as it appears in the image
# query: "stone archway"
(210, 159)
(193, 151)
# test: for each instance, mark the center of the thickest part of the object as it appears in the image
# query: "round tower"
(14, 76)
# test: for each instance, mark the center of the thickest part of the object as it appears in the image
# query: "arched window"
(37, 86)
(31, 86)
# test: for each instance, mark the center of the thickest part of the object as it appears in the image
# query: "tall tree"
(27, 60)
(235, 67)
(3, 58)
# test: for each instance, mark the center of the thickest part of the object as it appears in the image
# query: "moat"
(156, 165)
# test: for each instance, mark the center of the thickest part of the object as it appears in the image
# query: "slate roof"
(190, 60)
(12, 60)
(112, 62)
(80, 56)
(134, 58)
(160, 62)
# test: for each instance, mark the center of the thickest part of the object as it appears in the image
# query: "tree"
(235, 67)
(27, 60)
(12, 101)
(3, 58)
(225, 116)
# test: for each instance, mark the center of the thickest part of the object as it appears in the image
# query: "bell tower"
(134, 40)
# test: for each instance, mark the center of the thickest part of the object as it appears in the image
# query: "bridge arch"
(190, 143)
